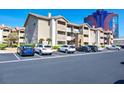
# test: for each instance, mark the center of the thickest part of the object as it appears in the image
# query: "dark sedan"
(25, 50)
(93, 48)
(84, 49)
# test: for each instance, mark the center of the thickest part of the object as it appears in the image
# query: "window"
(86, 43)
(21, 37)
(65, 46)
(101, 37)
(39, 46)
(86, 28)
(61, 32)
(21, 31)
(85, 35)
(60, 22)
(61, 42)
(4, 36)
(69, 34)
(5, 30)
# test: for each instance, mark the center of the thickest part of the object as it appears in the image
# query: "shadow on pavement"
(119, 82)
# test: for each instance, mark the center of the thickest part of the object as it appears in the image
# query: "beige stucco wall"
(43, 29)
(92, 37)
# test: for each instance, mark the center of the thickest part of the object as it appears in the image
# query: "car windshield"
(40, 46)
(72, 47)
(113, 45)
(27, 47)
(47, 46)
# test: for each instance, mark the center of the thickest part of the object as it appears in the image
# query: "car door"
(37, 49)
(62, 48)
(65, 48)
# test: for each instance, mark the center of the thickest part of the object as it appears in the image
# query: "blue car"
(25, 50)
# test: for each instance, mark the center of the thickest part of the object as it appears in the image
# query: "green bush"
(3, 46)
(56, 47)
(103, 46)
(30, 45)
(14, 45)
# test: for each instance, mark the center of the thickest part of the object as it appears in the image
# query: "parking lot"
(62, 68)
(14, 57)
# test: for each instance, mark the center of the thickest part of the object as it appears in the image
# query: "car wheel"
(40, 52)
(50, 54)
(66, 51)
(20, 54)
(33, 54)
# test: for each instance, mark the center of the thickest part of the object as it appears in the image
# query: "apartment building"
(61, 31)
(6, 30)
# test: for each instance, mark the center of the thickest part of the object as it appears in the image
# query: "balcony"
(85, 32)
(69, 30)
(61, 37)
(21, 34)
(101, 35)
(69, 38)
(21, 40)
(86, 39)
(76, 30)
(61, 27)
(5, 33)
(101, 40)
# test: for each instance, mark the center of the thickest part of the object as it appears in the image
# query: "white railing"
(69, 30)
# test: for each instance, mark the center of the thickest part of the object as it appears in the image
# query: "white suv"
(43, 49)
(113, 47)
(67, 48)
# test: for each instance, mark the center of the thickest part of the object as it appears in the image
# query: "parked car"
(25, 50)
(84, 49)
(113, 47)
(67, 48)
(101, 49)
(93, 48)
(43, 49)
(122, 46)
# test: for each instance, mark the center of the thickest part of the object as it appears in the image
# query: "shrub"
(103, 46)
(3, 46)
(56, 47)
(30, 45)
(14, 45)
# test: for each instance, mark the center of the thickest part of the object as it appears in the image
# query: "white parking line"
(16, 56)
(38, 55)
(52, 57)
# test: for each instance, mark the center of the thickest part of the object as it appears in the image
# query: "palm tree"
(48, 40)
(41, 40)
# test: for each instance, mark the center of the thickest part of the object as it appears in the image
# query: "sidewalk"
(9, 50)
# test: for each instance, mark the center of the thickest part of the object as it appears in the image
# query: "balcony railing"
(69, 30)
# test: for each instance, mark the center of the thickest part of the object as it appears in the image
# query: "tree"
(41, 40)
(12, 38)
(49, 40)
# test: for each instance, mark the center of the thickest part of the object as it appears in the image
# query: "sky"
(17, 17)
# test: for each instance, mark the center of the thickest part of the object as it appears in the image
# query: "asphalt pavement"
(78, 68)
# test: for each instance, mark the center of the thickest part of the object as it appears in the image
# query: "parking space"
(14, 56)
(7, 57)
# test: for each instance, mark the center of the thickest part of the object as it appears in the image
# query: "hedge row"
(3, 46)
